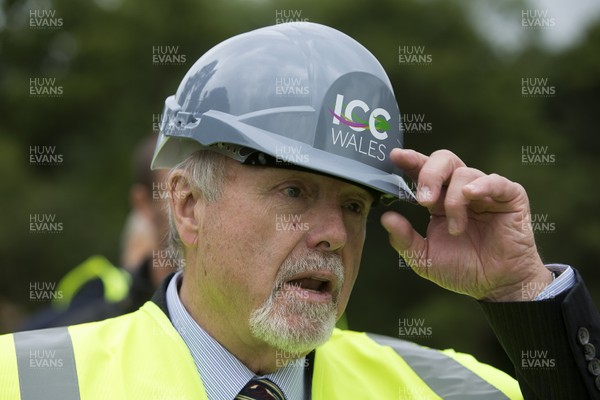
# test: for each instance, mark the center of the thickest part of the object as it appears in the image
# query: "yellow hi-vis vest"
(141, 356)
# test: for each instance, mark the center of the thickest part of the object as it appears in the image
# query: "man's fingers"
(430, 173)
(404, 239)
(471, 189)
(409, 161)
(447, 187)
(456, 203)
(496, 187)
(436, 172)
(402, 234)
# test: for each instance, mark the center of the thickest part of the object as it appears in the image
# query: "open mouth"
(311, 286)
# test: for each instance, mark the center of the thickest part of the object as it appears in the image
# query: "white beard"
(288, 322)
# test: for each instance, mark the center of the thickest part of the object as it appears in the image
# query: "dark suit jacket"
(552, 343)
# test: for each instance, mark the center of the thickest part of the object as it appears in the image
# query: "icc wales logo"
(359, 117)
(378, 120)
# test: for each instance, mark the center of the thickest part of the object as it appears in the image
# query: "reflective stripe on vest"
(46, 365)
(445, 376)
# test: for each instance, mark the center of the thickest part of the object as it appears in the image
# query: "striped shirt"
(223, 375)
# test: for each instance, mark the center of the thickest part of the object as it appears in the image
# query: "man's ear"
(183, 205)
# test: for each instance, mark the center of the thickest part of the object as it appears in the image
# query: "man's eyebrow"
(367, 194)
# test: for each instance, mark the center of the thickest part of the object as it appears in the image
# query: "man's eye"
(292, 191)
(356, 208)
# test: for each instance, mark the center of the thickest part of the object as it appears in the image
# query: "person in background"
(96, 289)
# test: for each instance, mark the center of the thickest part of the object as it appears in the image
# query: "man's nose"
(327, 229)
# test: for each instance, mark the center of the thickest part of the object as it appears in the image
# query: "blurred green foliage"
(470, 93)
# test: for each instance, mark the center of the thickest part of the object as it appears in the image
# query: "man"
(252, 313)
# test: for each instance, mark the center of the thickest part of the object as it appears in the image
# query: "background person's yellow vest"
(142, 356)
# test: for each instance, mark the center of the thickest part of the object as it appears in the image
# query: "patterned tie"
(260, 389)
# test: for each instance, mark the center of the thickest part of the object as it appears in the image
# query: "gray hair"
(207, 171)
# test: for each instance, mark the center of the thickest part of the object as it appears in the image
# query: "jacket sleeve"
(552, 343)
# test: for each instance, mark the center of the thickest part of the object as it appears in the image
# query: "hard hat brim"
(179, 142)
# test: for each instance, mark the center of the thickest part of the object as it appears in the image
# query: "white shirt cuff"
(564, 280)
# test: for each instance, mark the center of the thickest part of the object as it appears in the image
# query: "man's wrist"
(530, 289)
(556, 279)
(525, 290)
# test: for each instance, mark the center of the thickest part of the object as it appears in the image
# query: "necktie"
(260, 389)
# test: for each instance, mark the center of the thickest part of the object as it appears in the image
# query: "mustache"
(294, 265)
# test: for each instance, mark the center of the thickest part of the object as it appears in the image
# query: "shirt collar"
(223, 375)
